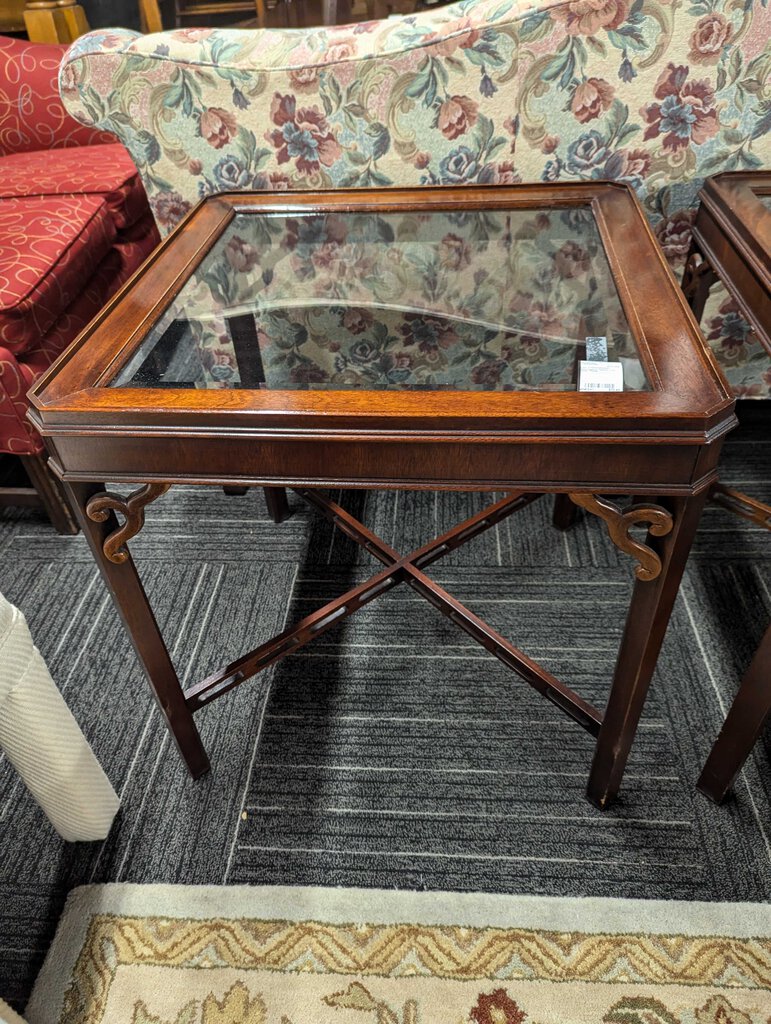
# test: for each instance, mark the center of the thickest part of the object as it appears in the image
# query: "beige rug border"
(377, 906)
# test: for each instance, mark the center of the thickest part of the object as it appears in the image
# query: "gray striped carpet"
(393, 752)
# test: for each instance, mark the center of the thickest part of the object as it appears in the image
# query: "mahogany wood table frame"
(732, 243)
(744, 723)
(661, 444)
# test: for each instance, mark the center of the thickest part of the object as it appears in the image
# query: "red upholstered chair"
(74, 225)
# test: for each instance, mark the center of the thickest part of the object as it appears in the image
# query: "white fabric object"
(44, 742)
(8, 1016)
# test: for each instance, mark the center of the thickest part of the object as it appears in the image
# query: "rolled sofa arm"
(654, 94)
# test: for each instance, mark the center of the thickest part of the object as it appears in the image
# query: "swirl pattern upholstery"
(74, 224)
(656, 93)
(31, 114)
(48, 247)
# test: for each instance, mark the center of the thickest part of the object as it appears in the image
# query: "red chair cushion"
(31, 113)
(106, 171)
(49, 246)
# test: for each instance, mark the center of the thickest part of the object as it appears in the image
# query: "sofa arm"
(371, 104)
(32, 115)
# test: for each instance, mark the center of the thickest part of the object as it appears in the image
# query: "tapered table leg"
(743, 725)
(698, 278)
(275, 499)
(50, 492)
(565, 512)
(646, 624)
(131, 601)
(278, 506)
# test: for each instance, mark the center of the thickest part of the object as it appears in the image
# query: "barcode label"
(596, 376)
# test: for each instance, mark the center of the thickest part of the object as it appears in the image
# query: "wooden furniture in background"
(150, 16)
(25, 482)
(108, 414)
(744, 723)
(732, 243)
(197, 13)
(46, 21)
(12, 16)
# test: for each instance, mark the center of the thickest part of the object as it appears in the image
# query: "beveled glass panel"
(435, 300)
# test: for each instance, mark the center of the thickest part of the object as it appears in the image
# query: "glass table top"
(488, 300)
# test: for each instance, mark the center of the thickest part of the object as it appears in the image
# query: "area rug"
(146, 954)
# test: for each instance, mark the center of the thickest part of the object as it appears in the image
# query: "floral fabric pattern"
(657, 94)
(240, 1006)
(500, 300)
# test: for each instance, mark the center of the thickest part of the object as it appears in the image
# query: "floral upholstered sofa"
(655, 93)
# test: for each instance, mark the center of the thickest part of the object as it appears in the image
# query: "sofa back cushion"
(32, 115)
(653, 94)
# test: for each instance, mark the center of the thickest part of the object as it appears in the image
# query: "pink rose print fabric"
(653, 94)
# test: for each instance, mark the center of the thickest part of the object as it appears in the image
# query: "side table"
(732, 243)
(428, 338)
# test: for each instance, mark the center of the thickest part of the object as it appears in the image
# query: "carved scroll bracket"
(619, 522)
(131, 508)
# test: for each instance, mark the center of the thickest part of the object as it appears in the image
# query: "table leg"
(278, 505)
(743, 725)
(698, 278)
(647, 620)
(130, 599)
(565, 512)
(275, 499)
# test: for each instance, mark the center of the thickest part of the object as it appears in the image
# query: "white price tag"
(600, 376)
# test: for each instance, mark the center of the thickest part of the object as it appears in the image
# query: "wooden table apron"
(676, 476)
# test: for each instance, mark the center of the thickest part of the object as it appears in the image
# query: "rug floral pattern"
(495, 1007)
(181, 971)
